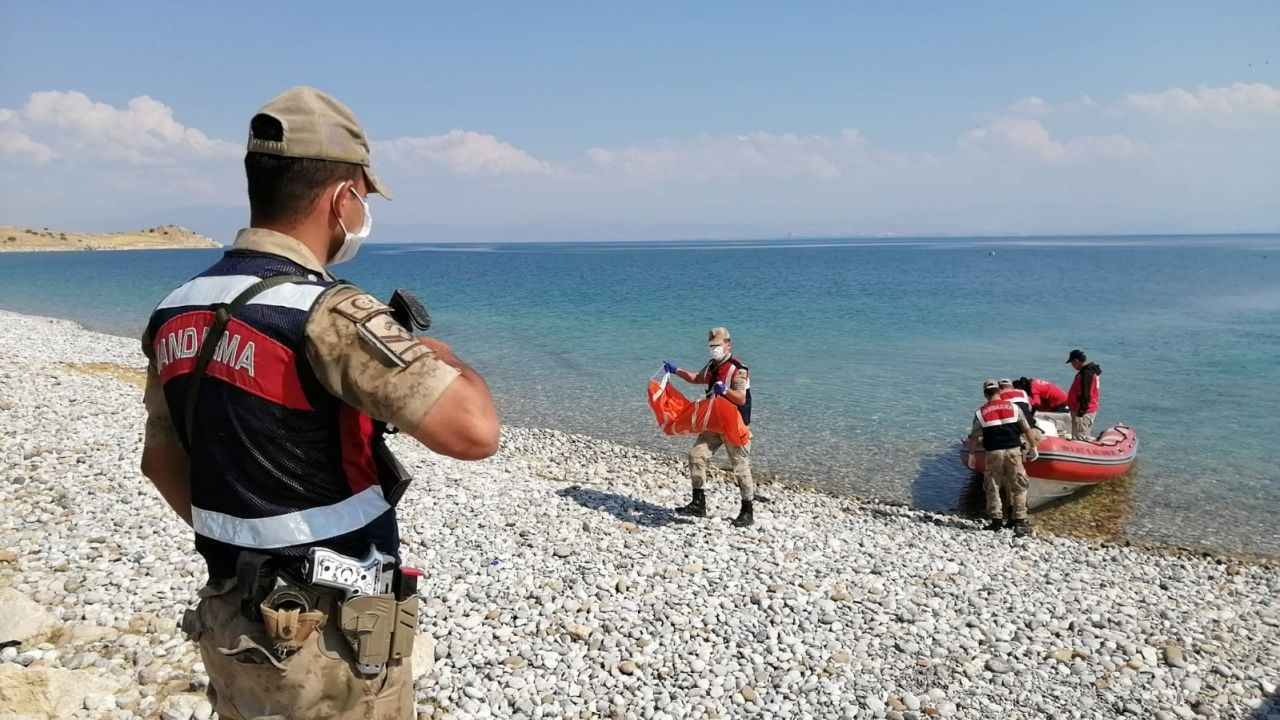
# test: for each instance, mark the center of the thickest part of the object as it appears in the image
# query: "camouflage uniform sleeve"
(739, 381)
(159, 431)
(366, 359)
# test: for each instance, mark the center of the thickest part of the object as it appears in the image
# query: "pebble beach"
(559, 584)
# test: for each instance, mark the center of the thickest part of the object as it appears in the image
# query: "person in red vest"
(1082, 398)
(270, 441)
(1002, 427)
(1020, 398)
(726, 376)
(1045, 396)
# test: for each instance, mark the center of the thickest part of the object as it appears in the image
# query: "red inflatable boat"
(1065, 466)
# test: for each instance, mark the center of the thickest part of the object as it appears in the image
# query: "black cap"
(1076, 354)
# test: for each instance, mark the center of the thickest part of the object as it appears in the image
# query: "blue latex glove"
(668, 367)
(718, 389)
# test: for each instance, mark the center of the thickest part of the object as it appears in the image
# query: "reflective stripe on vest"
(221, 289)
(295, 528)
(1001, 425)
(1015, 395)
(996, 413)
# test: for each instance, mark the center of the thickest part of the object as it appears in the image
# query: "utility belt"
(374, 599)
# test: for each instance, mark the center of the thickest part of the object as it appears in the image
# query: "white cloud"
(463, 152)
(1029, 138)
(1030, 105)
(719, 157)
(1034, 160)
(68, 124)
(1236, 100)
(17, 144)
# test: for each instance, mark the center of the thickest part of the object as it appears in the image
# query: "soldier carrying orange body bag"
(728, 388)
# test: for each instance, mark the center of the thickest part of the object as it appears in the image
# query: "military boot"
(1020, 528)
(746, 516)
(996, 525)
(697, 507)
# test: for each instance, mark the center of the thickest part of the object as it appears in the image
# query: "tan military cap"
(991, 385)
(717, 335)
(319, 127)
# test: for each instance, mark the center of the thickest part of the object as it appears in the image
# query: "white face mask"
(352, 242)
(717, 352)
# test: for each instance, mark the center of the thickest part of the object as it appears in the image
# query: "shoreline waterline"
(866, 358)
(557, 580)
(1061, 511)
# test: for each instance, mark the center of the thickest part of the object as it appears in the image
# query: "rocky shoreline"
(162, 237)
(558, 584)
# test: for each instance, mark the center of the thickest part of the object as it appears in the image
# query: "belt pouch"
(368, 623)
(406, 628)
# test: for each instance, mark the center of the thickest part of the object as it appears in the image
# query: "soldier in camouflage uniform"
(280, 453)
(725, 376)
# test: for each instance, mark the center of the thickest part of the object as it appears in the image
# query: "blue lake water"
(866, 355)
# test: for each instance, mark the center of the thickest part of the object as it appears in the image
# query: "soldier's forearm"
(688, 375)
(169, 470)
(176, 492)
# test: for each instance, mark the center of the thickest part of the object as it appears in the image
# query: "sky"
(662, 120)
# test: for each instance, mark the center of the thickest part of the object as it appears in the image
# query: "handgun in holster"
(382, 628)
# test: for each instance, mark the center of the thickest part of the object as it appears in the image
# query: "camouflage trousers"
(706, 446)
(1005, 474)
(248, 682)
(1082, 426)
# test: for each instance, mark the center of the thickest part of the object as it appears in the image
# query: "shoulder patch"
(360, 308)
(391, 340)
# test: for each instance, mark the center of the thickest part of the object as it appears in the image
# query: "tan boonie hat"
(991, 385)
(319, 127)
(717, 335)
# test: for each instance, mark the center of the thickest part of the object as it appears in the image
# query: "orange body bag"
(678, 415)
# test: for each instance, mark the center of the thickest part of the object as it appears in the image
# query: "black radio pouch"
(412, 315)
(392, 476)
(255, 579)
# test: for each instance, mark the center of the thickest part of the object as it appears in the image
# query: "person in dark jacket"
(1082, 398)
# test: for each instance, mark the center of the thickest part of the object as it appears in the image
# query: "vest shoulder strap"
(221, 318)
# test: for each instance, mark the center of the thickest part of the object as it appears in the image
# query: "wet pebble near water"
(558, 584)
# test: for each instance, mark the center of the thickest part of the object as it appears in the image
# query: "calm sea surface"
(866, 355)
